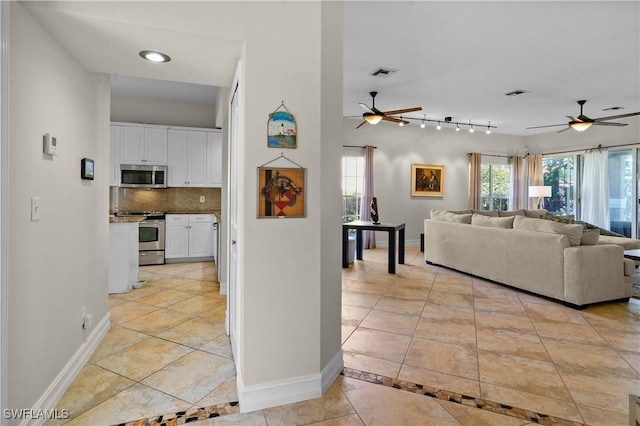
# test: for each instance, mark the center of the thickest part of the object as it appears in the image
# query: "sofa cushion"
(507, 213)
(626, 243)
(629, 267)
(574, 232)
(590, 237)
(445, 216)
(536, 214)
(493, 222)
(491, 213)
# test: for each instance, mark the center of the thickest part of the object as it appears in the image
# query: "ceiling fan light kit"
(582, 122)
(373, 116)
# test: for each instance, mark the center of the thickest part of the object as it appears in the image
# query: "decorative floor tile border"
(469, 401)
(191, 415)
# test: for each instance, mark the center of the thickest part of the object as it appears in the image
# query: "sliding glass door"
(621, 181)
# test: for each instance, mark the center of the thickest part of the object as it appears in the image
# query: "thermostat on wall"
(49, 145)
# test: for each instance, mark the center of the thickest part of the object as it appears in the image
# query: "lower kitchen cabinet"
(190, 237)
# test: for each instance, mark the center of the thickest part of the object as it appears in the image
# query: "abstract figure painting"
(281, 192)
(427, 180)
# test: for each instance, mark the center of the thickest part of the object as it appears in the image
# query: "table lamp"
(540, 192)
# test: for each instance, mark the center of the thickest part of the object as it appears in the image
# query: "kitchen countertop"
(126, 219)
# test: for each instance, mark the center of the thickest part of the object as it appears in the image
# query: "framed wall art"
(427, 180)
(281, 129)
(281, 192)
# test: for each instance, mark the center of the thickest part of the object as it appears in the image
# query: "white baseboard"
(332, 370)
(61, 383)
(296, 389)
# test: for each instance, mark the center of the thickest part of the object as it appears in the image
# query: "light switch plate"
(35, 209)
(202, 198)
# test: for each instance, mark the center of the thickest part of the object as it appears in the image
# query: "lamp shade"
(581, 127)
(373, 118)
(539, 191)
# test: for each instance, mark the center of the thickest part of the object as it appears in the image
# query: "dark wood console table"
(360, 226)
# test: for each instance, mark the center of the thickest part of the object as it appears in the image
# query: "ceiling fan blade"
(614, 117)
(550, 125)
(361, 124)
(366, 108)
(402, 111)
(572, 118)
(394, 120)
(606, 123)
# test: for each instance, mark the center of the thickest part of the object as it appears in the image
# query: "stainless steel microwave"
(143, 176)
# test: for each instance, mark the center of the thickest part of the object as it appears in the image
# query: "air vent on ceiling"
(516, 92)
(615, 108)
(384, 72)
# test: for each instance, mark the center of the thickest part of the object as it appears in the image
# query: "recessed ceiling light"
(154, 56)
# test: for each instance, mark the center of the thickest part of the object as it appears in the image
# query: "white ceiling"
(454, 59)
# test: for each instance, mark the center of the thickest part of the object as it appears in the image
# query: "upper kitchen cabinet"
(214, 155)
(143, 145)
(187, 152)
(114, 155)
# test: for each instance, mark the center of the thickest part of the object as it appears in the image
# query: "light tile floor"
(427, 326)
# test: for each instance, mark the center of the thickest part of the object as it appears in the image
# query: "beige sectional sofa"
(560, 261)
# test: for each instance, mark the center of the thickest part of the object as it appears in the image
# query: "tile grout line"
(466, 400)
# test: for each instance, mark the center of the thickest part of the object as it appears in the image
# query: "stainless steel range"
(151, 233)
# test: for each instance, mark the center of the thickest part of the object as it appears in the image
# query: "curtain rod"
(357, 146)
(493, 155)
(591, 149)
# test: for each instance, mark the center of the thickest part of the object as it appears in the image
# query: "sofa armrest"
(594, 273)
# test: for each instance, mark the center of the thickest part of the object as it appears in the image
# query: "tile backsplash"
(167, 200)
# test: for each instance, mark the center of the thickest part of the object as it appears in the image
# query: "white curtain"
(594, 194)
(368, 237)
(534, 176)
(520, 196)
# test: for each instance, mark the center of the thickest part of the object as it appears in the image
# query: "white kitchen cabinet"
(189, 236)
(143, 145)
(114, 155)
(214, 154)
(187, 158)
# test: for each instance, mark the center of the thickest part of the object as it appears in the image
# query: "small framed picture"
(281, 192)
(427, 180)
(86, 169)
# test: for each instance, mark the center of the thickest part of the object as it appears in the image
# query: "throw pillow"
(492, 213)
(507, 213)
(590, 237)
(574, 232)
(493, 222)
(566, 218)
(445, 216)
(536, 214)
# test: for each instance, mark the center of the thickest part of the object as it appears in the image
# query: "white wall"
(400, 147)
(286, 265)
(58, 264)
(157, 111)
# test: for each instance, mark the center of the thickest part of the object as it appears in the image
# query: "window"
(352, 187)
(496, 186)
(559, 173)
(620, 191)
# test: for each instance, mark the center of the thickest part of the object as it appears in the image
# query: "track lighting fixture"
(470, 127)
(438, 126)
(401, 123)
(489, 129)
(422, 125)
(457, 127)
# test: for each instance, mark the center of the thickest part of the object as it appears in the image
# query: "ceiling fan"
(582, 122)
(374, 116)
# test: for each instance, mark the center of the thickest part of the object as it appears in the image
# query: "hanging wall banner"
(281, 192)
(281, 129)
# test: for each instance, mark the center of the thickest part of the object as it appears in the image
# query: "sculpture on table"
(373, 210)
